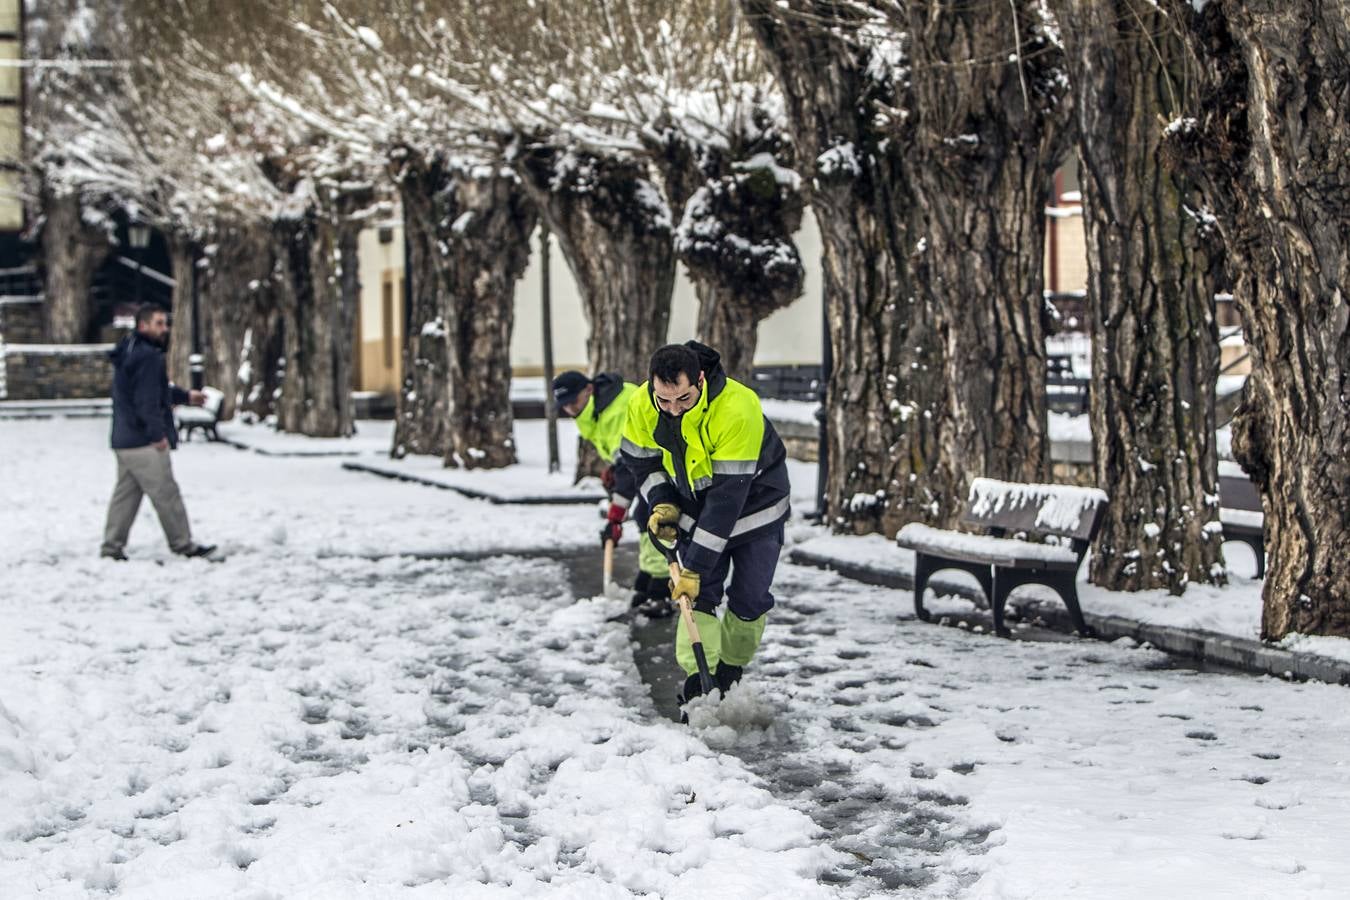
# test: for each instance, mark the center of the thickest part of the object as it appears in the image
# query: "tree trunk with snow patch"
(468, 228)
(318, 313)
(987, 140)
(886, 393)
(614, 229)
(240, 316)
(180, 338)
(72, 251)
(1270, 143)
(741, 207)
(1152, 262)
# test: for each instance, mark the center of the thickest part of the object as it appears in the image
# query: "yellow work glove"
(662, 522)
(686, 585)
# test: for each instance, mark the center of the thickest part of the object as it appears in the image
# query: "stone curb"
(472, 493)
(1210, 646)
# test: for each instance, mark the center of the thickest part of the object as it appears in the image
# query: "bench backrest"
(214, 398)
(1238, 492)
(1006, 507)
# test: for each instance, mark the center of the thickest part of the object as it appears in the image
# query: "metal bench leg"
(1068, 592)
(1003, 585)
(984, 575)
(1258, 546)
(924, 567)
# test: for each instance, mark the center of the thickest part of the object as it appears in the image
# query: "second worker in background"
(600, 407)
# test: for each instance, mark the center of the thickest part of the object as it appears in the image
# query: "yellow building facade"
(11, 114)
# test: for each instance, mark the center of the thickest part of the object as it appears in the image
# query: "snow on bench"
(1063, 517)
(205, 417)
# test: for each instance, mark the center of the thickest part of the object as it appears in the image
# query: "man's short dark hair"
(147, 311)
(671, 360)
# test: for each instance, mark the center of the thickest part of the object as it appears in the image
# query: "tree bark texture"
(988, 138)
(886, 394)
(180, 336)
(1151, 262)
(469, 227)
(241, 317)
(1270, 142)
(740, 207)
(318, 314)
(72, 251)
(614, 229)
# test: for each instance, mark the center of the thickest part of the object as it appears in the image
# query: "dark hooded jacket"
(142, 397)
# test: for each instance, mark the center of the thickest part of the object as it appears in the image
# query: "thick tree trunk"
(1155, 352)
(180, 337)
(741, 207)
(240, 316)
(614, 229)
(317, 318)
(72, 251)
(469, 228)
(1270, 144)
(736, 242)
(317, 282)
(988, 139)
(886, 394)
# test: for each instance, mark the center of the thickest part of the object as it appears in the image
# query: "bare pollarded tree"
(688, 84)
(391, 90)
(1152, 260)
(84, 168)
(1268, 140)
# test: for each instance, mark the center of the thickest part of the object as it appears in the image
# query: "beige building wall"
(379, 323)
(1068, 270)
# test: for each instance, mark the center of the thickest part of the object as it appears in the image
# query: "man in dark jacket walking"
(142, 435)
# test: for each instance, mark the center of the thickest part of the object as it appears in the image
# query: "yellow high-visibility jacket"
(721, 462)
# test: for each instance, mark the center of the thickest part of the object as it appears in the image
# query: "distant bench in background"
(200, 418)
(1240, 512)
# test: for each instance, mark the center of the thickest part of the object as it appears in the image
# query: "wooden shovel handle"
(609, 562)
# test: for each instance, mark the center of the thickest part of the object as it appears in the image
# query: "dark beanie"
(567, 386)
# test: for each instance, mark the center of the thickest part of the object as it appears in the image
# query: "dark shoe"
(656, 607)
(197, 550)
(117, 555)
(692, 688)
(727, 675)
(642, 586)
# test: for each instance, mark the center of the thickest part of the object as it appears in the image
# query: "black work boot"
(657, 604)
(727, 675)
(642, 586)
(692, 688)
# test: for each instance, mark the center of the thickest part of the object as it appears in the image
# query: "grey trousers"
(145, 471)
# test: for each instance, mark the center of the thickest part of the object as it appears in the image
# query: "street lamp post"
(546, 311)
(196, 363)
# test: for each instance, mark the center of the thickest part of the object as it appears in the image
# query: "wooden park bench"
(1065, 391)
(1035, 534)
(1240, 512)
(203, 418)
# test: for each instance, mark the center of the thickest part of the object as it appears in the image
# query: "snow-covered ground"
(320, 716)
